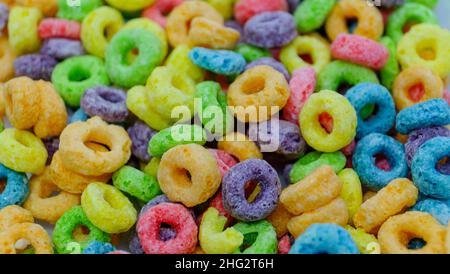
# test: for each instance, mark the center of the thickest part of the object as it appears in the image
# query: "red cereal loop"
(59, 28)
(447, 97)
(359, 50)
(224, 160)
(217, 203)
(348, 150)
(157, 11)
(284, 245)
(302, 85)
(179, 218)
(246, 9)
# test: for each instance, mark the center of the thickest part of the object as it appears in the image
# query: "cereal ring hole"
(368, 111)
(326, 121)
(252, 190)
(352, 24)
(306, 57)
(23, 246)
(382, 162)
(97, 146)
(426, 49)
(50, 190)
(182, 177)
(253, 85)
(79, 75)
(416, 243)
(2, 185)
(131, 56)
(81, 233)
(416, 92)
(110, 97)
(443, 166)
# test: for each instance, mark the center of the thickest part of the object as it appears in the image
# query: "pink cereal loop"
(156, 11)
(302, 85)
(59, 28)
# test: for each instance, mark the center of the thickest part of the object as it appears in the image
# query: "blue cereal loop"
(96, 247)
(223, 62)
(16, 189)
(438, 209)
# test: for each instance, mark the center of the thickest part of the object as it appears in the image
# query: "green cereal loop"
(76, 13)
(261, 237)
(62, 233)
(391, 70)
(74, 75)
(136, 183)
(429, 3)
(121, 70)
(311, 14)
(2, 127)
(339, 72)
(152, 167)
(211, 97)
(252, 53)
(314, 160)
(407, 13)
(174, 136)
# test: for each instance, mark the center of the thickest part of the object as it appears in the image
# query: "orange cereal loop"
(447, 239)
(315, 190)
(397, 231)
(415, 85)
(335, 212)
(401, 138)
(48, 7)
(199, 250)
(70, 181)
(370, 21)
(22, 102)
(14, 214)
(238, 145)
(279, 219)
(53, 119)
(189, 174)
(398, 195)
(34, 233)
(79, 158)
(257, 94)
(42, 204)
(210, 34)
(7, 57)
(179, 20)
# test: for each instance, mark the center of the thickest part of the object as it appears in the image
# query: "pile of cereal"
(224, 126)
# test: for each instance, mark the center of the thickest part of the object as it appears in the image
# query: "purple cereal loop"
(270, 29)
(140, 134)
(269, 61)
(106, 102)
(135, 245)
(35, 66)
(233, 190)
(60, 48)
(419, 137)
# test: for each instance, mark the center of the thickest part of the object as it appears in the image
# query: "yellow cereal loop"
(335, 212)
(212, 236)
(7, 58)
(167, 98)
(314, 46)
(208, 33)
(178, 21)
(224, 7)
(14, 214)
(257, 94)
(426, 45)
(130, 5)
(23, 29)
(397, 231)
(238, 145)
(421, 77)
(152, 167)
(98, 27)
(35, 234)
(351, 191)
(22, 151)
(107, 208)
(367, 243)
(398, 195)
(317, 189)
(180, 61)
(151, 26)
(447, 239)
(344, 121)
